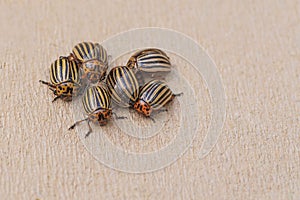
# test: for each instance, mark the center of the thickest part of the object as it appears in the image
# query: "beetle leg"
(119, 117)
(57, 97)
(152, 119)
(162, 110)
(109, 59)
(78, 122)
(158, 111)
(90, 129)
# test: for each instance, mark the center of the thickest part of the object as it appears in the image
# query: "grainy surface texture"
(256, 47)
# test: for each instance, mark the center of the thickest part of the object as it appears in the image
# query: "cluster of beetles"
(84, 74)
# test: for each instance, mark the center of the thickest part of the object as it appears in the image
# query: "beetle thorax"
(101, 116)
(143, 107)
(65, 89)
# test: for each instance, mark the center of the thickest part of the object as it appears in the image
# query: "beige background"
(255, 45)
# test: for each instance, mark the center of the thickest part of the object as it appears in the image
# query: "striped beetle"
(152, 61)
(93, 59)
(64, 79)
(122, 86)
(153, 96)
(97, 104)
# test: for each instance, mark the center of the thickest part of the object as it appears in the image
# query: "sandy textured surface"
(256, 47)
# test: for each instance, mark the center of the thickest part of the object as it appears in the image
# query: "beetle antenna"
(47, 83)
(179, 94)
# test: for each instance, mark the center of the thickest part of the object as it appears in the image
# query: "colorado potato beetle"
(97, 105)
(151, 61)
(153, 96)
(65, 79)
(93, 59)
(122, 86)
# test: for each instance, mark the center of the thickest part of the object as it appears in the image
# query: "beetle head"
(143, 107)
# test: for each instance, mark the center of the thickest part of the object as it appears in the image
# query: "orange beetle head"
(64, 90)
(102, 116)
